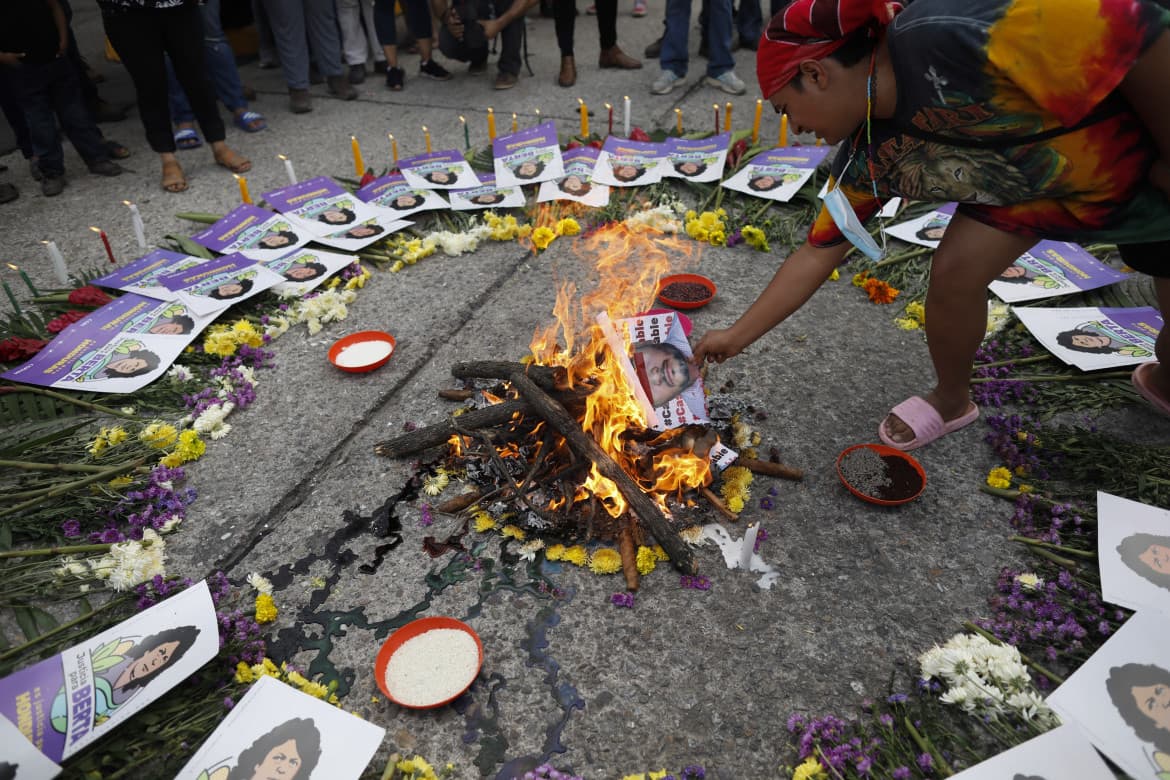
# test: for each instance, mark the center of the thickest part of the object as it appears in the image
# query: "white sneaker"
(728, 82)
(667, 82)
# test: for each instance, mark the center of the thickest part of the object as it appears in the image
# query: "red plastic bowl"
(693, 278)
(410, 631)
(883, 450)
(356, 338)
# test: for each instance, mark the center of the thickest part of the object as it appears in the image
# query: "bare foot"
(233, 161)
(900, 432)
(173, 179)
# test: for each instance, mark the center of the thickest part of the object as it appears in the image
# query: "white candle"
(58, 261)
(288, 169)
(139, 228)
(626, 116)
(749, 544)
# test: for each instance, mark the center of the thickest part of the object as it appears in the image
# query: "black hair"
(1065, 339)
(580, 191)
(678, 166)
(289, 236)
(374, 228)
(1132, 546)
(858, 46)
(1023, 278)
(415, 199)
(923, 231)
(8, 771)
(1122, 680)
(302, 731)
(1028, 777)
(348, 215)
(184, 635)
(144, 355)
(445, 172)
(317, 268)
(182, 320)
(754, 182)
(674, 351)
(638, 171)
(245, 285)
(488, 198)
(539, 169)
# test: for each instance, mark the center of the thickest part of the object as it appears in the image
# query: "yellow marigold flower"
(245, 333)
(1024, 488)
(656, 775)
(735, 504)
(265, 608)
(835, 275)
(524, 231)
(405, 766)
(297, 679)
(811, 769)
(646, 560)
(859, 278)
(191, 447)
(332, 283)
(513, 531)
(916, 310)
(484, 521)
(605, 561)
(99, 444)
(737, 475)
(718, 238)
(397, 266)
(172, 460)
(690, 215)
(116, 436)
(639, 776)
(554, 552)
(159, 435)
(721, 213)
(709, 219)
(542, 237)
(906, 323)
(219, 343)
(244, 673)
(121, 481)
(999, 477)
(568, 227)
(576, 555)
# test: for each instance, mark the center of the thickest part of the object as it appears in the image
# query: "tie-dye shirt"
(994, 75)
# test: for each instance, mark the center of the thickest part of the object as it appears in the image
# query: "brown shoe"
(340, 86)
(299, 102)
(568, 75)
(506, 80)
(613, 57)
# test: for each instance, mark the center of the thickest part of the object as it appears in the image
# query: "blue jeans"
(294, 21)
(50, 93)
(674, 39)
(220, 61)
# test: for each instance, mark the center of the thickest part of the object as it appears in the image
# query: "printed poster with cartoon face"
(141, 275)
(626, 163)
(1052, 268)
(577, 184)
(446, 170)
(1060, 754)
(487, 196)
(275, 731)
(253, 232)
(218, 284)
(94, 361)
(777, 174)
(528, 156)
(926, 230)
(696, 159)
(132, 313)
(1091, 338)
(21, 760)
(305, 269)
(398, 196)
(1120, 697)
(1133, 549)
(332, 214)
(64, 703)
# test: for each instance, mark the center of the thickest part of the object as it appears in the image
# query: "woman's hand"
(717, 345)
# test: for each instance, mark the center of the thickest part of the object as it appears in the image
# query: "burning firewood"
(629, 552)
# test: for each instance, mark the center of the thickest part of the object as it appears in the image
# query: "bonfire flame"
(629, 265)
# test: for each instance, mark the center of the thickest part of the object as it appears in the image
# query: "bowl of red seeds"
(685, 291)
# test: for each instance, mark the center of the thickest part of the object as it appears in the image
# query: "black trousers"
(564, 22)
(142, 38)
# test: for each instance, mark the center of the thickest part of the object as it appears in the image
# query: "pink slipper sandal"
(1141, 382)
(925, 422)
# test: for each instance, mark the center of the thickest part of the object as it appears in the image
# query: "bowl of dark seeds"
(880, 474)
(685, 291)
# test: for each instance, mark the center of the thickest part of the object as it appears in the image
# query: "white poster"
(1133, 550)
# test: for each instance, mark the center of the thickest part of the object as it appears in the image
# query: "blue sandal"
(187, 138)
(250, 122)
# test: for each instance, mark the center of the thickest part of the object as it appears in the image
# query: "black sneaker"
(394, 78)
(653, 51)
(51, 186)
(357, 74)
(106, 168)
(433, 70)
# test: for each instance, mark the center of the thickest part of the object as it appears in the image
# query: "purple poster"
(1053, 268)
(528, 156)
(254, 232)
(141, 275)
(777, 174)
(217, 284)
(626, 163)
(137, 314)
(487, 196)
(697, 159)
(577, 184)
(446, 170)
(305, 269)
(395, 193)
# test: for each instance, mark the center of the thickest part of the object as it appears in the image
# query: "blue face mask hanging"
(845, 218)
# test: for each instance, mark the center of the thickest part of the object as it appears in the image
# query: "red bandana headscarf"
(813, 29)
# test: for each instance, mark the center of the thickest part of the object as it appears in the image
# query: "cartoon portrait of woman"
(1092, 337)
(488, 198)
(122, 667)
(1018, 274)
(575, 185)
(336, 215)
(288, 752)
(1141, 694)
(129, 359)
(689, 167)
(528, 169)
(277, 239)
(627, 172)
(441, 176)
(406, 201)
(1148, 556)
(304, 271)
(231, 289)
(172, 325)
(364, 230)
(766, 182)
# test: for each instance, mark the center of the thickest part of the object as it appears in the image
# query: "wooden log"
(641, 504)
(452, 394)
(459, 502)
(717, 502)
(547, 377)
(629, 553)
(770, 469)
(434, 435)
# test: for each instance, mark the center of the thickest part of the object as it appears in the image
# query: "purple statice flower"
(886, 719)
(925, 762)
(901, 773)
(693, 772)
(71, 528)
(898, 698)
(694, 581)
(425, 518)
(766, 503)
(735, 238)
(622, 600)
(228, 703)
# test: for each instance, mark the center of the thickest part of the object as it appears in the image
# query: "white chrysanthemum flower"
(211, 422)
(528, 550)
(70, 566)
(221, 430)
(693, 535)
(179, 374)
(132, 563)
(170, 525)
(261, 583)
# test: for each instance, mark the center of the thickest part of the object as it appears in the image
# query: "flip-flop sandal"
(250, 122)
(173, 179)
(187, 138)
(234, 162)
(925, 421)
(1141, 383)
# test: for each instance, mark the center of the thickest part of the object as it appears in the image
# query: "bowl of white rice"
(428, 662)
(360, 352)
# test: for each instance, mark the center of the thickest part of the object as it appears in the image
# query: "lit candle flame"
(13, 267)
(127, 203)
(99, 230)
(281, 157)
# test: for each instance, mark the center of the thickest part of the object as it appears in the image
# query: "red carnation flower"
(367, 177)
(638, 134)
(12, 349)
(89, 296)
(572, 145)
(64, 321)
(736, 153)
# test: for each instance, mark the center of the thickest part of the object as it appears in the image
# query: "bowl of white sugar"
(428, 662)
(363, 351)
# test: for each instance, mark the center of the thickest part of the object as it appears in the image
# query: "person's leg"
(719, 29)
(367, 11)
(511, 41)
(76, 122)
(969, 257)
(353, 38)
(220, 60)
(564, 23)
(13, 113)
(138, 39)
(749, 21)
(31, 83)
(1160, 376)
(182, 36)
(286, 18)
(386, 29)
(611, 55)
(674, 38)
(324, 42)
(418, 22)
(265, 42)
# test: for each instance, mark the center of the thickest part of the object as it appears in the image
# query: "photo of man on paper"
(663, 371)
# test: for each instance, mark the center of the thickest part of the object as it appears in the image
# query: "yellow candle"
(584, 118)
(678, 120)
(393, 147)
(820, 140)
(244, 196)
(359, 165)
(756, 123)
(491, 125)
(783, 141)
(727, 117)
(515, 122)
(427, 138)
